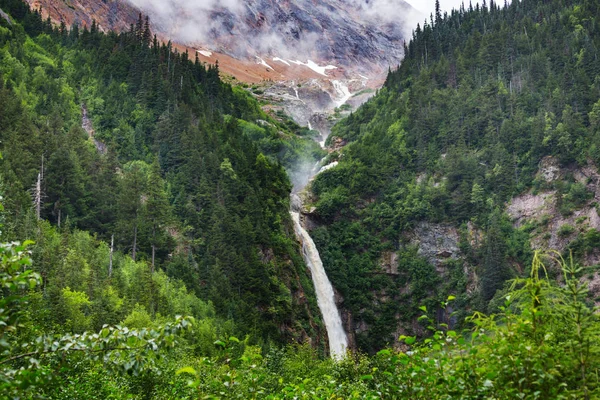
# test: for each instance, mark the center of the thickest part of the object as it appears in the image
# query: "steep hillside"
(121, 138)
(331, 49)
(164, 266)
(357, 34)
(492, 117)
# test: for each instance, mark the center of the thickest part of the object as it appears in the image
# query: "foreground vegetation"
(543, 344)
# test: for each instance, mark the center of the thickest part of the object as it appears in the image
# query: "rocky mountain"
(307, 57)
(363, 36)
(109, 14)
(349, 34)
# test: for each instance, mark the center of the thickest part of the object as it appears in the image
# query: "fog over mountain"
(344, 32)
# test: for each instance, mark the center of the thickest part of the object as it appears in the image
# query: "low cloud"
(297, 29)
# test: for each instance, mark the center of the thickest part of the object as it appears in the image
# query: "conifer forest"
(148, 246)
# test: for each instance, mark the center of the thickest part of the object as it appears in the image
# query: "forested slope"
(165, 159)
(483, 98)
(124, 140)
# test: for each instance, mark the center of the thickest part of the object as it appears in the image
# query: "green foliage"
(74, 304)
(566, 230)
(482, 96)
(541, 344)
(135, 142)
(27, 366)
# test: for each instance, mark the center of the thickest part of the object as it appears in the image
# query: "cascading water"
(342, 92)
(338, 342)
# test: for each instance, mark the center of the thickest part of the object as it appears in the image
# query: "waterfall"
(338, 343)
(342, 91)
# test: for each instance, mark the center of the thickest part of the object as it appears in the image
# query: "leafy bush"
(566, 230)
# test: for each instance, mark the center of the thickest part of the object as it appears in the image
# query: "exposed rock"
(474, 236)
(311, 103)
(389, 262)
(549, 169)
(337, 143)
(436, 242)
(266, 255)
(528, 207)
(5, 16)
(362, 96)
(542, 209)
(593, 283)
(110, 15)
(349, 328)
(258, 40)
(330, 32)
(445, 254)
(86, 124)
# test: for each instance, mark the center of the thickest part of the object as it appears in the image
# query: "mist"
(297, 29)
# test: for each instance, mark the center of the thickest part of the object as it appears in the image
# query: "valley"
(299, 199)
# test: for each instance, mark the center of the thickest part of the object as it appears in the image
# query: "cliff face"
(307, 56)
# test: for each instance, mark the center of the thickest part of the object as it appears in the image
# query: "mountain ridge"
(347, 35)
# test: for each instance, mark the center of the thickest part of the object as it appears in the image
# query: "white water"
(338, 342)
(328, 166)
(342, 91)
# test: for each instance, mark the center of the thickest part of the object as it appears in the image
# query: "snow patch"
(205, 53)
(281, 60)
(314, 66)
(262, 62)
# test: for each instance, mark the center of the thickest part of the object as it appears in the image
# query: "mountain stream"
(338, 341)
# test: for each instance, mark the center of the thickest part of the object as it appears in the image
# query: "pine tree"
(132, 200)
(157, 209)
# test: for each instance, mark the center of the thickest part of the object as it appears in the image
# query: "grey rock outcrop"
(436, 242)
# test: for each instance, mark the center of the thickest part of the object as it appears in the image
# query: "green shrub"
(565, 230)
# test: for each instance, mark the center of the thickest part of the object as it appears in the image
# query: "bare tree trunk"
(153, 249)
(134, 242)
(38, 196)
(110, 262)
(153, 246)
